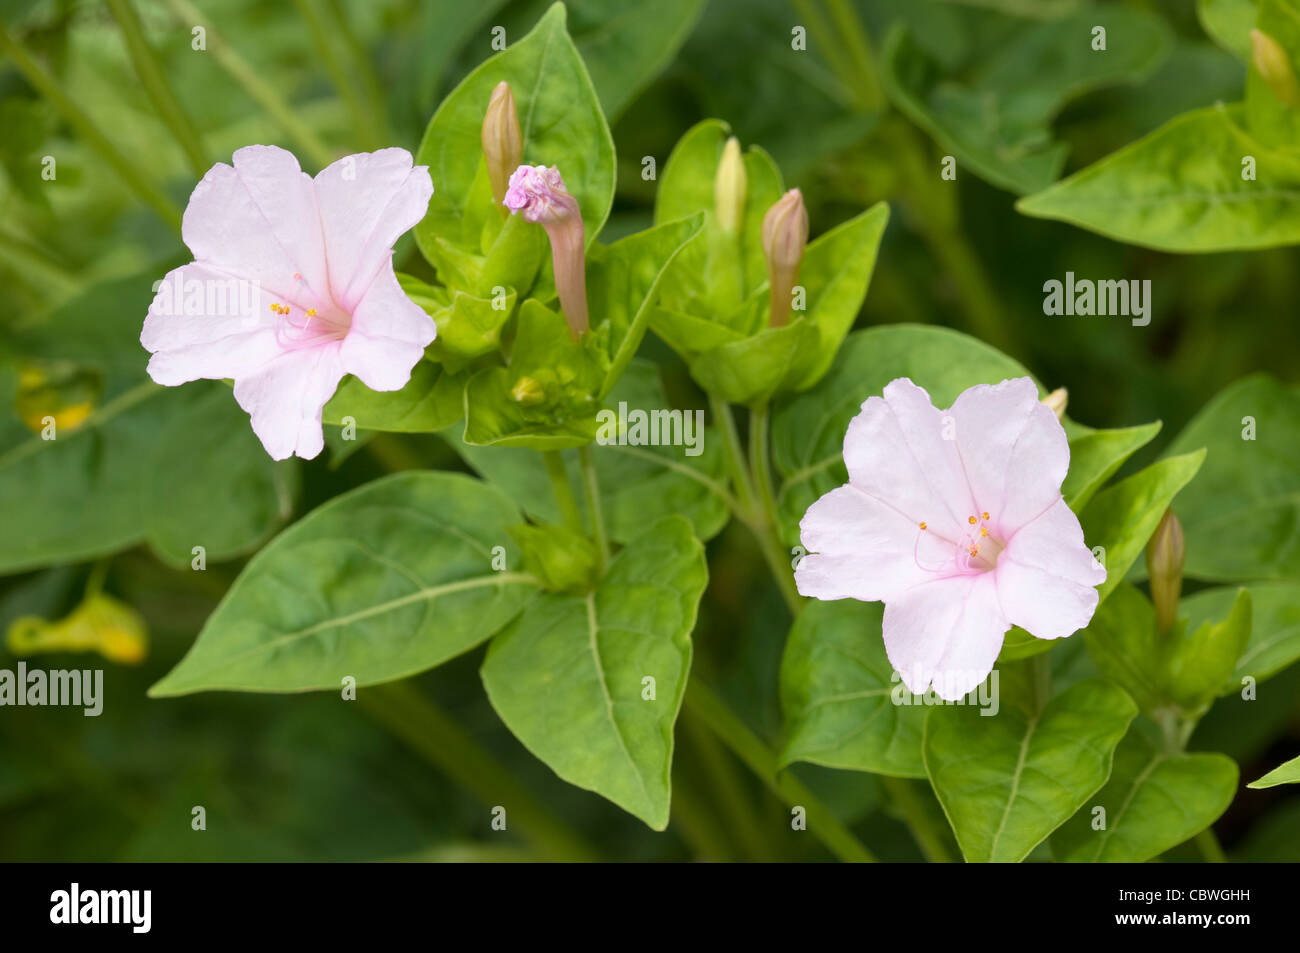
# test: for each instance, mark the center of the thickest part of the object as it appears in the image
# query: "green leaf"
(1274, 633)
(638, 484)
(750, 370)
(1154, 800)
(1125, 646)
(470, 327)
(837, 690)
(1096, 455)
(996, 117)
(568, 677)
(1288, 773)
(432, 400)
(1228, 23)
(808, 429)
(1203, 658)
(142, 467)
(1241, 516)
(621, 283)
(1181, 189)
(390, 579)
(1007, 782)
(559, 116)
(1122, 517)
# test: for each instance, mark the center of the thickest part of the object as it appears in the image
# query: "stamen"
(922, 524)
(986, 514)
(984, 531)
(971, 520)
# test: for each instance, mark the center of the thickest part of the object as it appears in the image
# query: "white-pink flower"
(292, 287)
(954, 519)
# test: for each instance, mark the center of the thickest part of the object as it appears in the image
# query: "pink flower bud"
(538, 194)
(785, 235)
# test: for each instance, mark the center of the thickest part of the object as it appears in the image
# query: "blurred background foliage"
(311, 777)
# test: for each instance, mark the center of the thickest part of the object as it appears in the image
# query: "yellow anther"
(971, 520)
(986, 514)
(983, 531)
(922, 524)
(276, 307)
(311, 312)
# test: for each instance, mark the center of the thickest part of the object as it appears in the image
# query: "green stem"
(45, 84)
(592, 487)
(734, 455)
(428, 731)
(377, 108)
(857, 55)
(258, 89)
(919, 821)
(767, 527)
(367, 135)
(1210, 848)
(760, 759)
(149, 69)
(726, 786)
(563, 491)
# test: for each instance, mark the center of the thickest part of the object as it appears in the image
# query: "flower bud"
(1056, 401)
(503, 143)
(538, 194)
(1165, 553)
(729, 187)
(785, 235)
(528, 390)
(1274, 65)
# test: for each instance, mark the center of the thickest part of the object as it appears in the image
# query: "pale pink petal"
(859, 548)
(258, 219)
(946, 632)
(285, 399)
(388, 336)
(898, 449)
(366, 202)
(1046, 575)
(205, 323)
(1013, 451)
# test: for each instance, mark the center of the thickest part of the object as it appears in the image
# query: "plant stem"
(735, 457)
(428, 731)
(1210, 848)
(726, 785)
(857, 55)
(145, 61)
(367, 135)
(563, 490)
(760, 759)
(45, 83)
(258, 89)
(767, 527)
(931, 841)
(590, 483)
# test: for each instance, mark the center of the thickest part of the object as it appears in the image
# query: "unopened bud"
(1274, 65)
(1056, 401)
(528, 390)
(785, 235)
(503, 143)
(538, 194)
(1165, 554)
(729, 187)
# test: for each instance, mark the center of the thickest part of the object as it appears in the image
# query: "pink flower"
(954, 519)
(538, 194)
(292, 287)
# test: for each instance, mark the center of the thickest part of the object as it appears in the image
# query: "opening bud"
(1274, 65)
(538, 194)
(503, 142)
(528, 390)
(729, 187)
(1165, 554)
(785, 235)
(1056, 401)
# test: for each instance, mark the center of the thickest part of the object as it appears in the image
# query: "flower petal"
(1047, 575)
(258, 220)
(859, 548)
(947, 632)
(896, 450)
(1013, 451)
(388, 336)
(366, 202)
(204, 323)
(285, 399)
